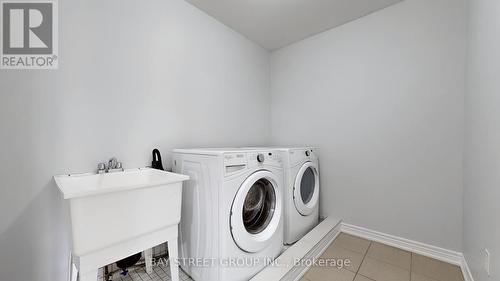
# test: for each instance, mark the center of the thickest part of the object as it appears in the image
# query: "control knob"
(260, 158)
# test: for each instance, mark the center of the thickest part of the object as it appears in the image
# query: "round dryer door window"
(306, 189)
(256, 212)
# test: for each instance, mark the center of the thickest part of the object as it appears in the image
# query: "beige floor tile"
(337, 252)
(382, 271)
(434, 269)
(390, 255)
(418, 277)
(360, 277)
(328, 274)
(353, 243)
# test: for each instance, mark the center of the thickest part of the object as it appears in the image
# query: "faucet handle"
(101, 168)
(112, 163)
(119, 165)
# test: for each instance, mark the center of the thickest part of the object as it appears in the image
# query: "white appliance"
(301, 191)
(231, 223)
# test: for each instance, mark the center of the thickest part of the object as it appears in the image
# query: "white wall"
(133, 76)
(482, 144)
(382, 98)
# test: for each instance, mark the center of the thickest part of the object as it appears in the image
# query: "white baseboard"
(423, 249)
(466, 270)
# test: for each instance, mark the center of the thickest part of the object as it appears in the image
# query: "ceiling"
(276, 23)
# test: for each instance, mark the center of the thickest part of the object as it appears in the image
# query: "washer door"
(256, 212)
(306, 189)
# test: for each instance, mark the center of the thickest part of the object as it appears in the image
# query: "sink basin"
(115, 215)
(80, 185)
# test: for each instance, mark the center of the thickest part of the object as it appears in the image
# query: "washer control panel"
(259, 158)
(235, 159)
(235, 162)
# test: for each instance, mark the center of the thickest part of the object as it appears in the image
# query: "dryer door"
(256, 212)
(306, 189)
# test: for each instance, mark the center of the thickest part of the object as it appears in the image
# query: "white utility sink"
(115, 215)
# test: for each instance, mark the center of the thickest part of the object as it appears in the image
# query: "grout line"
(363, 260)
(345, 248)
(371, 242)
(390, 263)
(411, 263)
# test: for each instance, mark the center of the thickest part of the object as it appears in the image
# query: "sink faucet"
(112, 163)
(113, 166)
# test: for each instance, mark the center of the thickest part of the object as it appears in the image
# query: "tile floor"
(369, 261)
(160, 273)
(372, 261)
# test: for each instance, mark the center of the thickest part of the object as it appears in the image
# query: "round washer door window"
(306, 189)
(256, 212)
(259, 206)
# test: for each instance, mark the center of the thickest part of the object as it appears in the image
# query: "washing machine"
(301, 191)
(232, 212)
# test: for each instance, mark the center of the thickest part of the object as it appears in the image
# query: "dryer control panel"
(298, 156)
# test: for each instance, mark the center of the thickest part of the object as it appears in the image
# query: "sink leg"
(173, 257)
(89, 275)
(148, 256)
